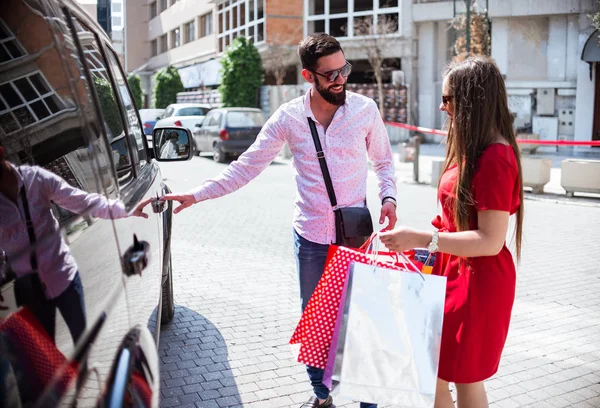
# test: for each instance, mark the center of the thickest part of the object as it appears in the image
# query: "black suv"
(85, 273)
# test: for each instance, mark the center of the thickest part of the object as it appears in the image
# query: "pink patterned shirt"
(356, 131)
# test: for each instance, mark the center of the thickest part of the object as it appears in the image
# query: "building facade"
(538, 47)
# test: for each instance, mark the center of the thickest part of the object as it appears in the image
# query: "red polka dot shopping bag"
(315, 329)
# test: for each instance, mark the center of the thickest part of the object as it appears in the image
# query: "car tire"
(218, 155)
(168, 301)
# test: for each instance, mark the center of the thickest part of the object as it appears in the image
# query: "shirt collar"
(308, 111)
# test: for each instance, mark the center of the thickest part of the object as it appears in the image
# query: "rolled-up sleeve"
(250, 164)
(379, 152)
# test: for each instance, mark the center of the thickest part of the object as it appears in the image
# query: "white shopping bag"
(389, 344)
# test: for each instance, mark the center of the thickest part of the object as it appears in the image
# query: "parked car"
(186, 115)
(149, 118)
(228, 132)
(73, 241)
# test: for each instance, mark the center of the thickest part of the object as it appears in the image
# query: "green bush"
(241, 74)
(168, 84)
(135, 84)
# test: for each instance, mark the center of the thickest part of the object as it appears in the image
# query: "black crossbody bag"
(353, 225)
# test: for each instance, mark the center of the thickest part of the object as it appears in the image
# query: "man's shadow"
(194, 363)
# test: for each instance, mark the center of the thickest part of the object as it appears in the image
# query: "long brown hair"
(480, 115)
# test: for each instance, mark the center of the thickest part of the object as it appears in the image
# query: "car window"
(134, 126)
(245, 119)
(191, 111)
(108, 104)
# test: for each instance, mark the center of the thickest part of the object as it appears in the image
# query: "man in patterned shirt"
(350, 129)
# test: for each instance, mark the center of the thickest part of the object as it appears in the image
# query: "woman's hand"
(186, 200)
(405, 238)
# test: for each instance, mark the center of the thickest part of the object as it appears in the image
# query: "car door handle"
(135, 258)
(158, 205)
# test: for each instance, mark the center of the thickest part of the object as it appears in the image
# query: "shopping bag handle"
(372, 248)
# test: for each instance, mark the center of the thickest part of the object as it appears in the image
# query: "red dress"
(480, 291)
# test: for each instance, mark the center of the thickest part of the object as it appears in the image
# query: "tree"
(135, 84)
(241, 74)
(477, 40)
(373, 41)
(168, 84)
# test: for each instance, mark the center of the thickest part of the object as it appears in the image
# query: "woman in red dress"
(480, 188)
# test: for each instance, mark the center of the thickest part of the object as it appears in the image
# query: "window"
(207, 24)
(94, 61)
(164, 46)
(116, 7)
(192, 111)
(10, 47)
(153, 48)
(342, 18)
(338, 27)
(152, 10)
(190, 31)
(175, 38)
(134, 127)
(245, 119)
(338, 6)
(240, 18)
(116, 22)
(251, 10)
(316, 26)
(163, 5)
(388, 3)
(317, 7)
(363, 5)
(27, 100)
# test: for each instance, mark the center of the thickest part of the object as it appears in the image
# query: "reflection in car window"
(245, 119)
(191, 111)
(108, 104)
(133, 124)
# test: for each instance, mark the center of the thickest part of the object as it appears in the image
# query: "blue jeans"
(71, 305)
(310, 262)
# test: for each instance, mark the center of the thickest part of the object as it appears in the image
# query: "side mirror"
(172, 144)
(198, 124)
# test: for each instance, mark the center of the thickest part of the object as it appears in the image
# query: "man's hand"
(388, 210)
(186, 200)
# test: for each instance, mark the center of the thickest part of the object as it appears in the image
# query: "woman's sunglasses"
(446, 99)
(331, 76)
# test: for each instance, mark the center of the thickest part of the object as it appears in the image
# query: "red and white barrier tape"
(520, 141)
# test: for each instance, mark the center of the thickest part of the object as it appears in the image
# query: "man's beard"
(337, 99)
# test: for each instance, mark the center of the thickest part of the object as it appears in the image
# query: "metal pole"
(417, 144)
(468, 26)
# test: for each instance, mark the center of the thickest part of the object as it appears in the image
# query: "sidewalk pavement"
(236, 292)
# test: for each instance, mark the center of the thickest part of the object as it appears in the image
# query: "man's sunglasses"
(446, 99)
(331, 76)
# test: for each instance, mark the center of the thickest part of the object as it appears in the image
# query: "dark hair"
(480, 114)
(315, 46)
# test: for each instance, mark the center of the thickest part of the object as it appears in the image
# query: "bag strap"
(322, 162)
(30, 229)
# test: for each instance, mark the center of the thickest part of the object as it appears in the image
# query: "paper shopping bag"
(316, 326)
(390, 334)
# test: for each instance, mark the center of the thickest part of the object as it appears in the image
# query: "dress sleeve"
(494, 183)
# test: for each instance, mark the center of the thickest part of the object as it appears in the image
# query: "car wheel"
(168, 302)
(218, 155)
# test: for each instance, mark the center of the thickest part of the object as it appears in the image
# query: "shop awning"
(202, 74)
